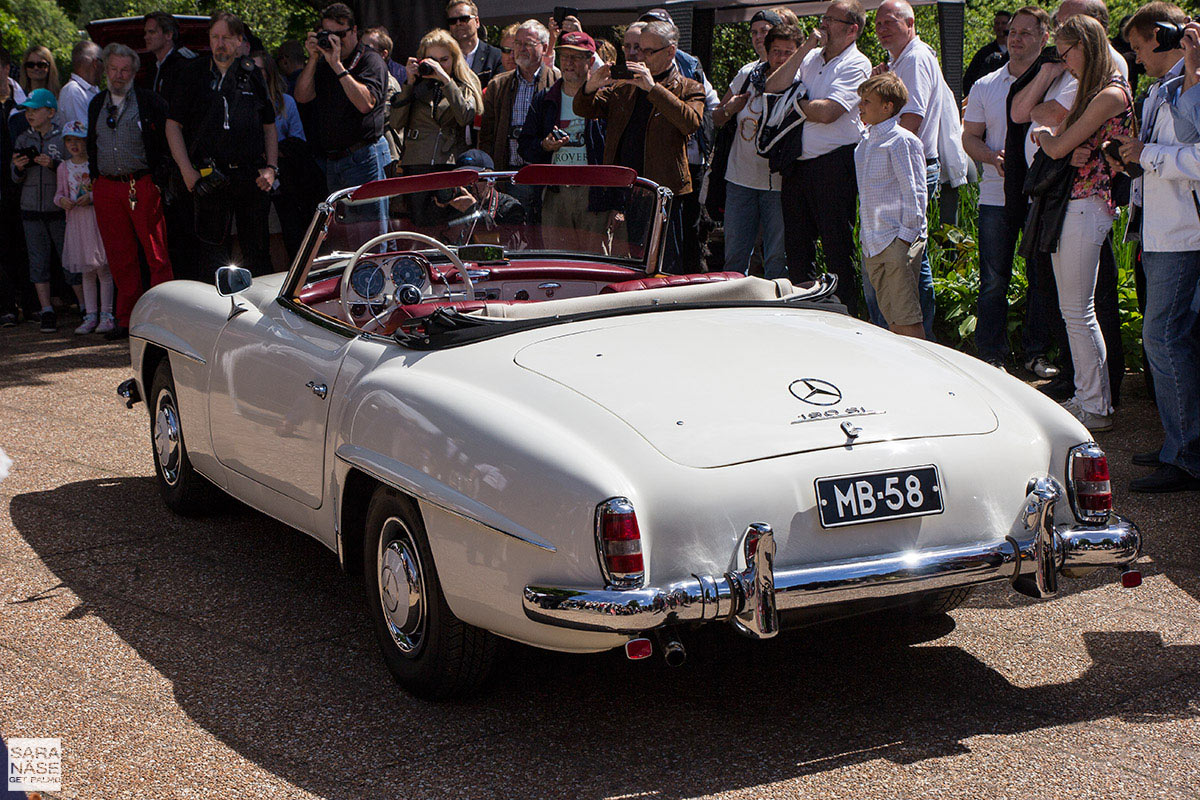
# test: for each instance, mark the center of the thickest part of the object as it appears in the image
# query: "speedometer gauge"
(367, 280)
(409, 269)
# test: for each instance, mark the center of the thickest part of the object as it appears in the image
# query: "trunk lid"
(728, 386)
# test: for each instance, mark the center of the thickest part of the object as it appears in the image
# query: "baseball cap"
(76, 128)
(40, 98)
(476, 160)
(660, 14)
(577, 40)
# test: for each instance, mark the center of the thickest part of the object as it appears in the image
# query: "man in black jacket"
(462, 19)
(161, 34)
(573, 218)
(126, 143)
(992, 56)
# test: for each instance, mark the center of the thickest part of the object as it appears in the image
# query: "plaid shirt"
(120, 149)
(890, 164)
(525, 92)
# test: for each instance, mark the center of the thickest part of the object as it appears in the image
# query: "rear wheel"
(184, 490)
(429, 651)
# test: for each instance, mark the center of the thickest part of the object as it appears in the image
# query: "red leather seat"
(322, 291)
(659, 281)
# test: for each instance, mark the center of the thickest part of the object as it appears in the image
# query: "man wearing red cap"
(555, 134)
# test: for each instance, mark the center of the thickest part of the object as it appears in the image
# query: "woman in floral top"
(1102, 108)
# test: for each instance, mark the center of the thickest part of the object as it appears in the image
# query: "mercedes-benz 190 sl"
(516, 431)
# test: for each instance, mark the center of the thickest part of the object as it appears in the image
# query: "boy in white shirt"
(890, 164)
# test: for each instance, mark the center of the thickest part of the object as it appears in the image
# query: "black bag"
(715, 200)
(780, 137)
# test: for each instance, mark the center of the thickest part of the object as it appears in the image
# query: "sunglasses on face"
(506, 50)
(457, 20)
(649, 51)
(37, 65)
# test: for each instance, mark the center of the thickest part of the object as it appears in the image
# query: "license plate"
(869, 497)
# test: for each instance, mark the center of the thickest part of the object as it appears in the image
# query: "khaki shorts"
(894, 273)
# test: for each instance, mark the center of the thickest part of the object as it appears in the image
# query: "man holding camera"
(346, 83)
(1166, 207)
(555, 134)
(221, 130)
(651, 110)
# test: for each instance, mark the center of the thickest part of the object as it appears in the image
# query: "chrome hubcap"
(167, 439)
(401, 587)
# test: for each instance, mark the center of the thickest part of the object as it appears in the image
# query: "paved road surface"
(228, 657)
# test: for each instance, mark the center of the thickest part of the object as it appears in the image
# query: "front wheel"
(184, 490)
(429, 651)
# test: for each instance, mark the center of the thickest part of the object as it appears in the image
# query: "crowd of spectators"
(149, 176)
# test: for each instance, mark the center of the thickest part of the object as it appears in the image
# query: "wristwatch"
(342, 74)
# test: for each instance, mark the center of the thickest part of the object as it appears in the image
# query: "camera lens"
(424, 70)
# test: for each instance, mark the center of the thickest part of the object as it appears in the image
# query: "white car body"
(697, 416)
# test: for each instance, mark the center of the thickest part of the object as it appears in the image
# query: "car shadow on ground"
(265, 647)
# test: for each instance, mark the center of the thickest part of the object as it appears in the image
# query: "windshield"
(608, 223)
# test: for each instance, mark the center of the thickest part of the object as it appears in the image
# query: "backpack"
(779, 137)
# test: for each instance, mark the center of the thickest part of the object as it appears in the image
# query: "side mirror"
(232, 280)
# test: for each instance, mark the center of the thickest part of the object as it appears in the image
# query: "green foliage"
(28, 22)
(273, 21)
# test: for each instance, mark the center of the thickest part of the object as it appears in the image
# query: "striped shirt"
(520, 109)
(890, 164)
(119, 147)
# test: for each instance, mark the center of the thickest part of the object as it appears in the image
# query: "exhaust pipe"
(672, 649)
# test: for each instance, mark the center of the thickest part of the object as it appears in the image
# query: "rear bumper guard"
(752, 597)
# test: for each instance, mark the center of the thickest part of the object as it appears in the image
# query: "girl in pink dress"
(83, 251)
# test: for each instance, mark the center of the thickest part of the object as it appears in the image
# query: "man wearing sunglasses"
(126, 144)
(346, 84)
(819, 191)
(462, 20)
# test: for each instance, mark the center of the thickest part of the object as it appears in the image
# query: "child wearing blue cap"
(83, 250)
(36, 155)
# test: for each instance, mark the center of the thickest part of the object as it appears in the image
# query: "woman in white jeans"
(1101, 108)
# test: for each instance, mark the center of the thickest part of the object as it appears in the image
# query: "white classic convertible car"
(521, 432)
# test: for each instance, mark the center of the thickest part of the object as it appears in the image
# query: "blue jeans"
(933, 173)
(997, 241)
(745, 210)
(362, 166)
(1171, 334)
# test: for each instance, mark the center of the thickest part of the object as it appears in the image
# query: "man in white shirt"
(985, 126)
(86, 69)
(819, 190)
(915, 63)
(1169, 152)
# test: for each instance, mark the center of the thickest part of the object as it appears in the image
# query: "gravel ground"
(229, 657)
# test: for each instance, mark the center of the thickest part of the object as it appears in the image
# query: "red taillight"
(1131, 579)
(619, 543)
(1091, 488)
(637, 649)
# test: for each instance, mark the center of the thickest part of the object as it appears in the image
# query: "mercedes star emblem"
(815, 391)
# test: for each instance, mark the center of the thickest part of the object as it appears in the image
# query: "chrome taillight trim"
(615, 580)
(1087, 517)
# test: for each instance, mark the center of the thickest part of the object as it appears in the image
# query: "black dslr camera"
(1168, 35)
(323, 40)
(424, 70)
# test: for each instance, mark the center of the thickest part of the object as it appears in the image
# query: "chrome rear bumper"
(751, 597)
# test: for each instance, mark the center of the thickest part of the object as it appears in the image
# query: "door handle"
(319, 389)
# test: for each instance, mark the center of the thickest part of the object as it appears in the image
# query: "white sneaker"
(1041, 366)
(89, 325)
(1093, 422)
(107, 322)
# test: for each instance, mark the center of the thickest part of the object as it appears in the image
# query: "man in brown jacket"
(508, 95)
(649, 119)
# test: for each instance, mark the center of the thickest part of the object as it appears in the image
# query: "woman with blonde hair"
(39, 71)
(1103, 107)
(435, 105)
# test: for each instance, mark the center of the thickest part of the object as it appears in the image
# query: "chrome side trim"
(1031, 561)
(421, 486)
(161, 337)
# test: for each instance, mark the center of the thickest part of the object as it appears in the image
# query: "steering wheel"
(374, 322)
